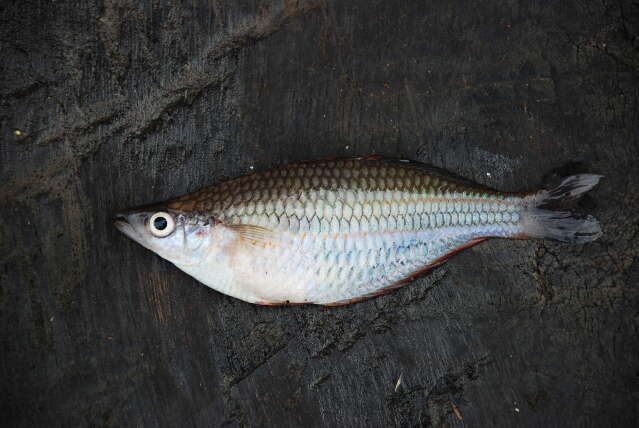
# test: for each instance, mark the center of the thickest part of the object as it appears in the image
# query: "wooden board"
(113, 104)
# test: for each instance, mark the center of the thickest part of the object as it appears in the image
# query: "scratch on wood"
(137, 119)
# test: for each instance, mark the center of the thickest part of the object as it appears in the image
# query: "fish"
(339, 231)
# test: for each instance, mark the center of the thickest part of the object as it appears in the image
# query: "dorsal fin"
(417, 165)
(430, 169)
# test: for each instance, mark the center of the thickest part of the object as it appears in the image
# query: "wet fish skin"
(338, 231)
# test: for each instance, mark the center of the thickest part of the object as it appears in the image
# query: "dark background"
(108, 105)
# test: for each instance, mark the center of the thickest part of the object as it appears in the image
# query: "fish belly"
(328, 268)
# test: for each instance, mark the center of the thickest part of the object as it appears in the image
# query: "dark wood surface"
(108, 105)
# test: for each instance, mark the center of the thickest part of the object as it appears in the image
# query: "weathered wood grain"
(108, 105)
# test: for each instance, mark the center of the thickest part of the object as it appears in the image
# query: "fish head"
(183, 238)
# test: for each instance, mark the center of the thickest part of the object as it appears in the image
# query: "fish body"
(338, 231)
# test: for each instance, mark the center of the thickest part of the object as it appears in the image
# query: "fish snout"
(119, 220)
(123, 224)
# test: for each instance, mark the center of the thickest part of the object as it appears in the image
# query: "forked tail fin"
(538, 222)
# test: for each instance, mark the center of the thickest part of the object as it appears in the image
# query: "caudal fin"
(538, 222)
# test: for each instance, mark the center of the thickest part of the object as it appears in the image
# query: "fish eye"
(161, 224)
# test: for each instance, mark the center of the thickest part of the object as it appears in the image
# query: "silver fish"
(333, 232)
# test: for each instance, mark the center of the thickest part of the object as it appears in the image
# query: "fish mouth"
(126, 223)
(120, 222)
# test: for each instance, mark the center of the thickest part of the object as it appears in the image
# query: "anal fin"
(410, 276)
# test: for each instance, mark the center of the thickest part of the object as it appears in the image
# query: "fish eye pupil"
(160, 223)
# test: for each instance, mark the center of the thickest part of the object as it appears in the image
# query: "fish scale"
(337, 231)
(335, 212)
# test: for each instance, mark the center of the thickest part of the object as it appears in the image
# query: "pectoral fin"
(256, 235)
